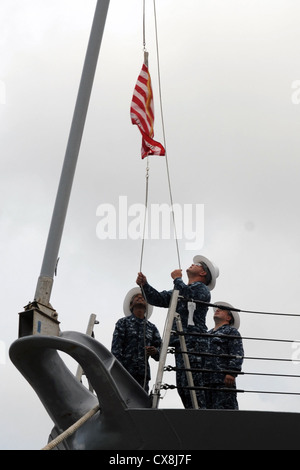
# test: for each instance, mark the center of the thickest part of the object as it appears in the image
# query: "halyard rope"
(68, 432)
(165, 145)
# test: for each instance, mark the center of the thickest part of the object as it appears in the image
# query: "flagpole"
(45, 280)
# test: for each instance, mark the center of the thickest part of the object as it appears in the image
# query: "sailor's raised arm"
(153, 297)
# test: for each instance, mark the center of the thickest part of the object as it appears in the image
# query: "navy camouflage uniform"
(130, 337)
(196, 291)
(217, 345)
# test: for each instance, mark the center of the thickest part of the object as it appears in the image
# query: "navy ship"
(117, 414)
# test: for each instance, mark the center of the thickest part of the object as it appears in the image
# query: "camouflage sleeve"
(159, 299)
(197, 291)
(118, 339)
(236, 349)
(156, 343)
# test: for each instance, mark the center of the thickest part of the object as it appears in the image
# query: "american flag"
(142, 114)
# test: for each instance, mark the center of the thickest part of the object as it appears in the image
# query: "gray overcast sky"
(229, 77)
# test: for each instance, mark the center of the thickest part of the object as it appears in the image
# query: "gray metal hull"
(189, 430)
(126, 420)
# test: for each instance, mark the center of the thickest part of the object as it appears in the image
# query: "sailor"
(224, 358)
(135, 338)
(202, 275)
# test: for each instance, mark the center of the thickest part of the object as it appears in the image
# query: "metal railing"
(249, 359)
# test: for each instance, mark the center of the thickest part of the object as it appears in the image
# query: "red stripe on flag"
(151, 147)
(142, 114)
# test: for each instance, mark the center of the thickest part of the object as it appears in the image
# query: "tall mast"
(45, 280)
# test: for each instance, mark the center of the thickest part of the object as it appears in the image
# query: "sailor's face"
(138, 301)
(222, 314)
(196, 268)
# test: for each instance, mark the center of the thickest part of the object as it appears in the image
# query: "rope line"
(208, 304)
(230, 356)
(144, 26)
(229, 390)
(144, 333)
(230, 372)
(208, 335)
(164, 140)
(147, 168)
(146, 211)
(164, 135)
(68, 432)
